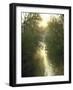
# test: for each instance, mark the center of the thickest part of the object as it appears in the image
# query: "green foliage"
(52, 35)
(30, 37)
(55, 41)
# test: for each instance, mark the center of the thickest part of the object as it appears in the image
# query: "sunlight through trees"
(42, 44)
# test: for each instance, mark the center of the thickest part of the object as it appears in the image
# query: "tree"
(55, 43)
(30, 37)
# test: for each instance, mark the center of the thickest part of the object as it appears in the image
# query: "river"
(41, 57)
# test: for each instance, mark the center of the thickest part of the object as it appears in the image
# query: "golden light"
(47, 65)
(46, 18)
(44, 21)
(41, 55)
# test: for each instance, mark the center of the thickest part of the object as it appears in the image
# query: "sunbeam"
(43, 58)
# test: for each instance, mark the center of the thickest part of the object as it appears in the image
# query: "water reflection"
(42, 58)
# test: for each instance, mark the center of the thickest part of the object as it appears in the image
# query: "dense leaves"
(30, 37)
(55, 42)
(52, 35)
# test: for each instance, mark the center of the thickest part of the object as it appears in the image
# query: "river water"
(42, 58)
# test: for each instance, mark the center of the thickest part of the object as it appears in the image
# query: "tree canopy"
(55, 41)
(52, 35)
(30, 37)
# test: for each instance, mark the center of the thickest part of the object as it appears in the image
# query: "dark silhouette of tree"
(55, 43)
(30, 37)
(52, 35)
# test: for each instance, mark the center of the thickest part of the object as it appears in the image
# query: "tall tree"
(55, 43)
(30, 36)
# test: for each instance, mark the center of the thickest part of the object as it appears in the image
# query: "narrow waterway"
(41, 56)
